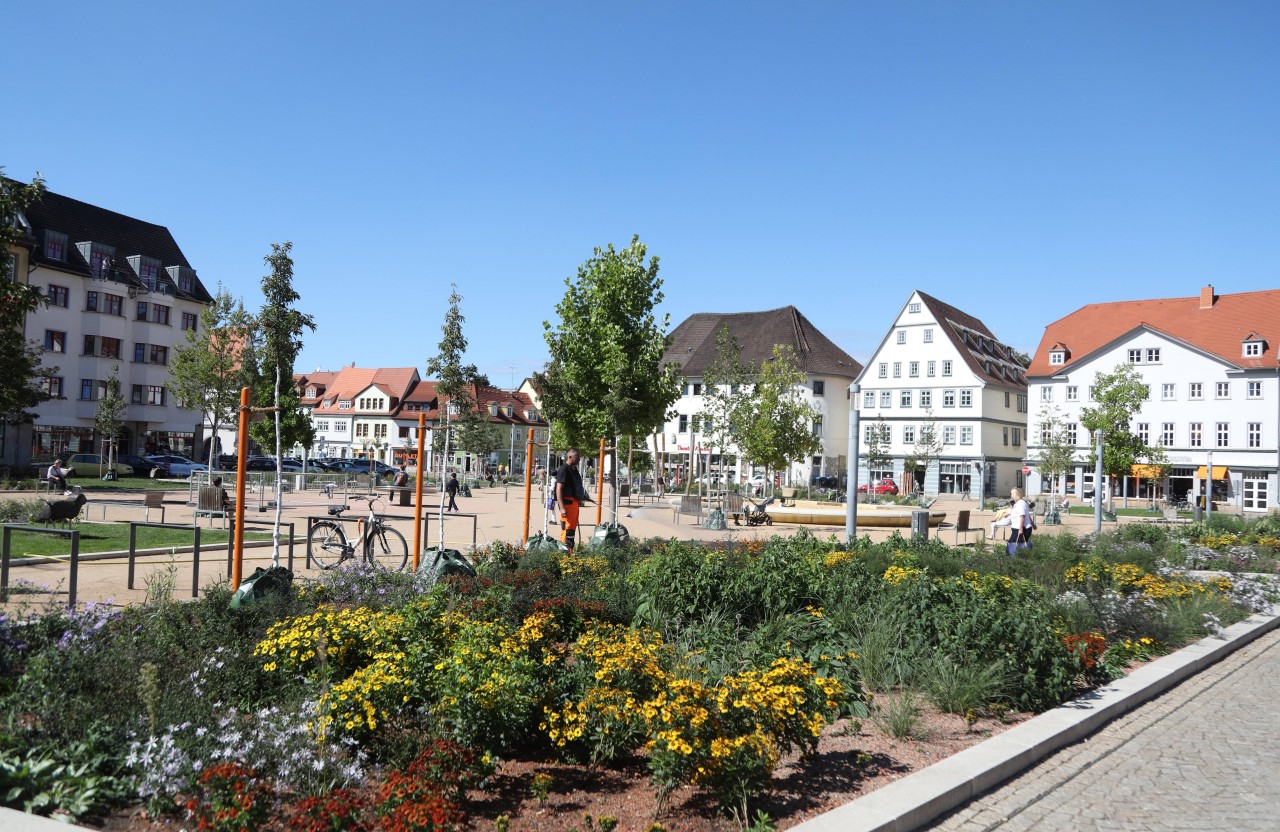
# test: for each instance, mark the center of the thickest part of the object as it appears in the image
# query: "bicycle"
(380, 544)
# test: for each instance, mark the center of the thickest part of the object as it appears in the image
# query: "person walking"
(1020, 523)
(451, 488)
(570, 495)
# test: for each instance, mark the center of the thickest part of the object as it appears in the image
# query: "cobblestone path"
(1203, 757)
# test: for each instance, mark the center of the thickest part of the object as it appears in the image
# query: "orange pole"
(528, 486)
(600, 483)
(417, 496)
(242, 454)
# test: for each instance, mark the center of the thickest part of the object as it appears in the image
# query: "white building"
(828, 368)
(936, 360)
(121, 293)
(1211, 365)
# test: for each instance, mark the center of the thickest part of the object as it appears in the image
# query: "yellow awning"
(1219, 472)
(1148, 472)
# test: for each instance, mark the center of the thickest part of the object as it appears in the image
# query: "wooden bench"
(150, 500)
(211, 501)
(690, 505)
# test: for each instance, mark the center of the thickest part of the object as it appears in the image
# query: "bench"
(690, 505)
(150, 500)
(211, 501)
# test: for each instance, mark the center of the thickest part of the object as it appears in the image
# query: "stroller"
(755, 514)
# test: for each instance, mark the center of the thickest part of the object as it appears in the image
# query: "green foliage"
(961, 687)
(278, 332)
(901, 717)
(78, 780)
(1119, 396)
(208, 371)
(776, 423)
(20, 359)
(725, 394)
(1057, 452)
(604, 378)
(879, 453)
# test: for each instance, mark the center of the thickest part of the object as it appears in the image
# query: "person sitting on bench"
(57, 477)
(1002, 519)
(402, 479)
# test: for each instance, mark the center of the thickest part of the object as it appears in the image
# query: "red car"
(884, 486)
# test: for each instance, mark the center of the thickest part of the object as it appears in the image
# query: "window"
(946, 368)
(1071, 433)
(52, 385)
(1006, 399)
(142, 311)
(90, 345)
(1045, 435)
(380, 431)
(1195, 435)
(91, 302)
(1146, 392)
(1017, 437)
(869, 434)
(99, 262)
(1252, 349)
(1022, 402)
(928, 336)
(897, 369)
(1144, 432)
(111, 347)
(59, 296)
(926, 398)
(929, 368)
(1073, 393)
(909, 434)
(948, 398)
(1222, 390)
(1006, 436)
(189, 322)
(883, 370)
(1166, 434)
(159, 354)
(1135, 356)
(949, 435)
(819, 387)
(344, 404)
(913, 308)
(55, 341)
(1153, 355)
(55, 245)
(1254, 492)
(150, 275)
(966, 398)
(87, 389)
(817, 425)
(904, 399)
(139, 352)
(684, 424)
(147, 394)
(1057, 357)
(966, 435)
(1168, 391)
(1046, 394)
(1255, 434)
(322, 426)
(362, 429)
(902, 336)
(1093, 392)
(886, 398)
(1224, 434)
(697, 388)
(1195, 390)
(114, 305)
(1254, 389)
(159, 314)
(340, 425)
(913, 369)
(186, 283)
(869, 399)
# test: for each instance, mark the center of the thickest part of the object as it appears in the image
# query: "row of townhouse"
(1210, 362)
(121, 294)
(368, 413)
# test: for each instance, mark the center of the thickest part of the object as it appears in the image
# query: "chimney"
(1207, 297)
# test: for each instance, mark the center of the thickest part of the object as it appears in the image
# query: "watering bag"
(263, 582)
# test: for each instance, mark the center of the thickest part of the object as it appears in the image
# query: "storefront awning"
(1149, 472)
(1219, 472)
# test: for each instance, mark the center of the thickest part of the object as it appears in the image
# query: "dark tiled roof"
(693, 342)
(991, 361)
(82, 222)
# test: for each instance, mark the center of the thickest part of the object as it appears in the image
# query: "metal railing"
(6, 540)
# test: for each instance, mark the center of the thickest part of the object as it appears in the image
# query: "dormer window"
(531, 415)
(344, 404)
(184, 277)
(1253, 346)
(311, 392)
(1057, 357)
(55, 245)
(99, 257)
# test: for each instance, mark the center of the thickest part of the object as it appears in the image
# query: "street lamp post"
(851, 473)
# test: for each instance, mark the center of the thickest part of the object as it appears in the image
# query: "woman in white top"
(1019, 516)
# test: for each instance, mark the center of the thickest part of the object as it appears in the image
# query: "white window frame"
(883, 370)
(1222, 434)
(1195, 391)
(913, 369)
(1254, 389)
(1057, 357)
(926, 398)
(928, 336)
(1254, 434)
(946, 369)
(966, 434)
(1222, 389)
(902, 336)
(1073, 393)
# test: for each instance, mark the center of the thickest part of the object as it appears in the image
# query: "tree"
(878, 454)
(209, 370)
(777, 423)
(110, 418)
(278, 331)
(478, 436)
(928, 446)
(605, 377)
(20, 359)
(724, 383)
(1119, 396)
(1057, 451)
(455, 381)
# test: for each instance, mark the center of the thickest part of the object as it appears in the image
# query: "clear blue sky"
(1014, 159)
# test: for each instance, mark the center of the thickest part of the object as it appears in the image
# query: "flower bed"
(692, 686)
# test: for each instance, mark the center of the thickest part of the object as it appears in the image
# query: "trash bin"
(920, 524)
(1197, 512)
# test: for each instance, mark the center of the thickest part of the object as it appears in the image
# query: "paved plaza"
(1203, 757)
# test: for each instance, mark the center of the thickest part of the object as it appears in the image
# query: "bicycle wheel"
(327, 544)
(387, 548)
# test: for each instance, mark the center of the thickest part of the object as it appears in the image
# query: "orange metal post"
(417, 496)
(242, 454)
(600, 483)
(528, 486)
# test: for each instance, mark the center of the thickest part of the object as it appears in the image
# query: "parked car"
(881, 486)
(93, 465)
(178, 466)
(143, 466)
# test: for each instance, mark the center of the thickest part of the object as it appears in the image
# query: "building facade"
(1211, 367)
(121, 295)
(828, 369)
(941, 368)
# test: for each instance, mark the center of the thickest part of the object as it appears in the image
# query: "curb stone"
(915, 800)
(11, 820)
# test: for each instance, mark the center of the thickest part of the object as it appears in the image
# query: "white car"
(177, 466)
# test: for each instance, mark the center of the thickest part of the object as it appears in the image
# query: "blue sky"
(1014, 159)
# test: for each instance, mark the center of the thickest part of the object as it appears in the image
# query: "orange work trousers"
(568, 521)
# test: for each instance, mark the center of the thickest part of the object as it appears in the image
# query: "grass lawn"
(1129, 512)
(90, 484)
(114, 537)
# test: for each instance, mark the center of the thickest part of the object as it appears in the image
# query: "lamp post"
(1097, 487)
(851, 473)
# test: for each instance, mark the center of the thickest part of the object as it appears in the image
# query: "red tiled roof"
(1219, 329)
(349, 382)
